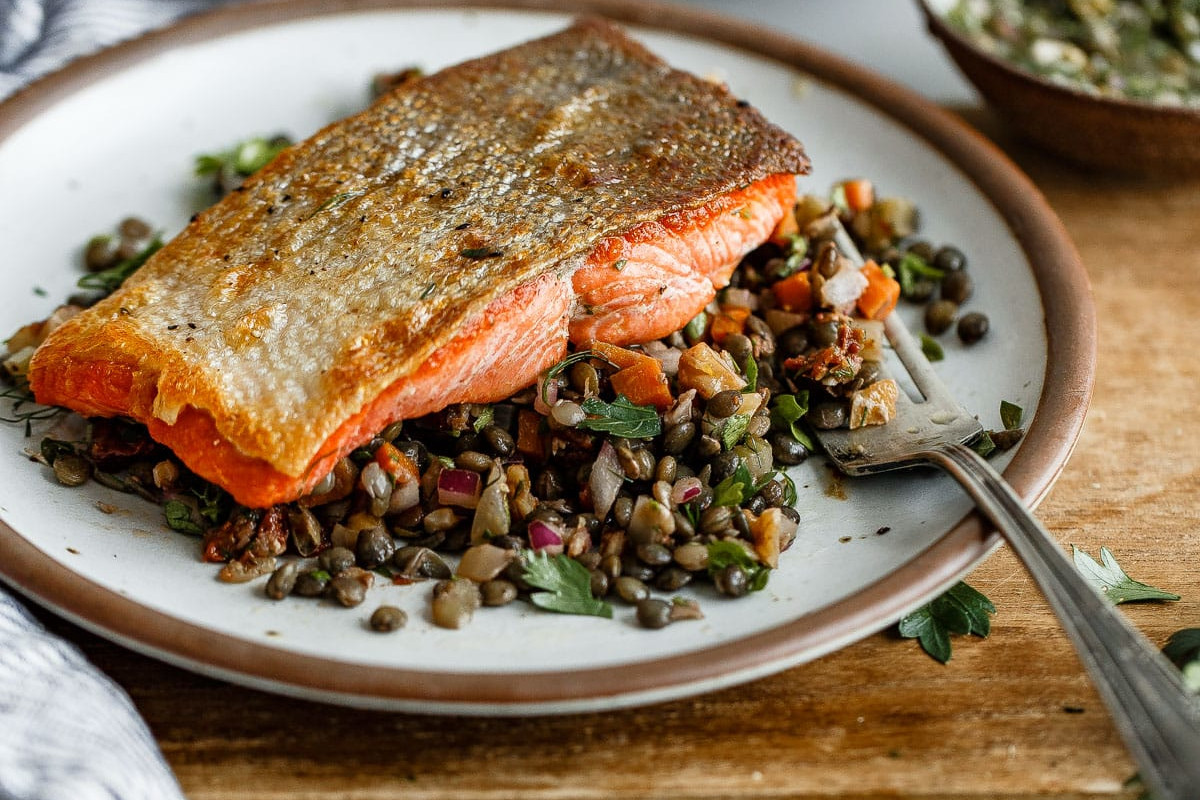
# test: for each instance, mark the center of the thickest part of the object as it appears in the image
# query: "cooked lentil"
(543, 463)
(388, 618)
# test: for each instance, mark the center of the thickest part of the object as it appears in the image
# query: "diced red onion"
(459, 487)
(545, 537)
(605, 481)
(685, 490)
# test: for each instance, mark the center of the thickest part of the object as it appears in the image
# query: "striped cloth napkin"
(38, 36)
(67, 732)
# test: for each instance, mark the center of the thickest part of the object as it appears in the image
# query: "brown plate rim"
(1071, 337)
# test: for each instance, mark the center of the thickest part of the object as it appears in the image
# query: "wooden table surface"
(1010, 716)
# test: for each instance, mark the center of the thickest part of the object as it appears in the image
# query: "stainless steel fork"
(1154, 712)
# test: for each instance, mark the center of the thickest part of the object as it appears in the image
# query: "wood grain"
(1009, 717)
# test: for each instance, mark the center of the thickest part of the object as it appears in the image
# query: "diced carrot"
(621, 357)
(644, 384)
(785, 230)
(795, 292)
(399, 466)
(881, 294)
(860, 194)
(529, 434)
(731, 319)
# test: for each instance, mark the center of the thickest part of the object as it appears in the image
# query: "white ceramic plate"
(116, 136)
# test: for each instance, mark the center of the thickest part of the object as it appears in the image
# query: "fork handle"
(1153, 710)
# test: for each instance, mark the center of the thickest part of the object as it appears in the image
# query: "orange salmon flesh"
(342, 287)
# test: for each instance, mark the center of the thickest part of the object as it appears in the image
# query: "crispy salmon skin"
(439, 247)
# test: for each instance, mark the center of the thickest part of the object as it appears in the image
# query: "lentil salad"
(622, 473)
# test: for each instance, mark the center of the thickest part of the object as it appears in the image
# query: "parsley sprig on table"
(1108, 577)
(963, 610)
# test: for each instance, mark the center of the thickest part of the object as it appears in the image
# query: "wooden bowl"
(1124, 136)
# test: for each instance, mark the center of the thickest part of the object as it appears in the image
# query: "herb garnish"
(984, 445)
(911, 269)
(789, 486)
(484, 419)
(20, 395)
(568, 585)
(786, 412)
(962, 610)
(931, 348)
(1108, 577)
(179, 518)
(797, 252)
(734, 430)
(1010, 415)
(620, 263)
(339, 199)
(575, 358)
(735, 489)
(244, 158)
(740, 487)
(109, 280)
(837, 196)
(990, 441)
(723, 554)
(621, 418)
(750, 370)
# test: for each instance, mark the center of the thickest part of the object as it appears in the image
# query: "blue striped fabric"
(67, 732)
(38, 36)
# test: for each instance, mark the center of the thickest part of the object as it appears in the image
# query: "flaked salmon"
(442, 246)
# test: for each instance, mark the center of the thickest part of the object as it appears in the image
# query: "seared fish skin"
(263, 341)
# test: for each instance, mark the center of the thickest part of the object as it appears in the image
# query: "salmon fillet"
(440, 247)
